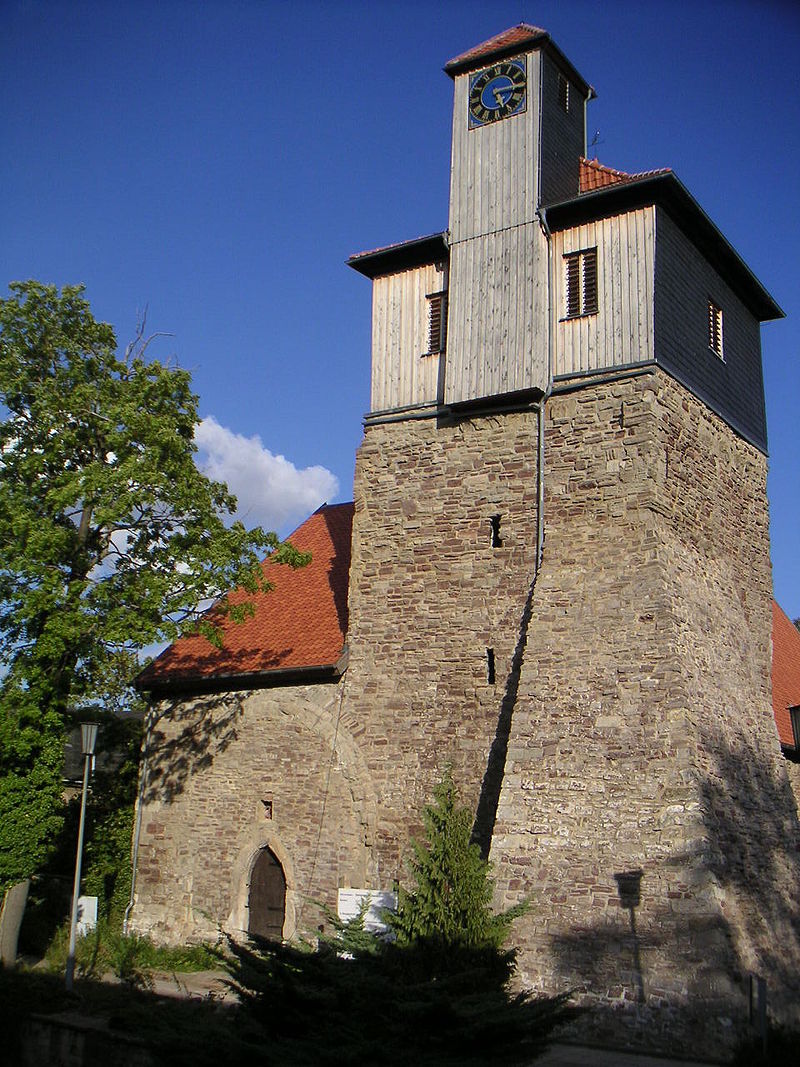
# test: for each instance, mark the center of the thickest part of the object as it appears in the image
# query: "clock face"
(497, 92)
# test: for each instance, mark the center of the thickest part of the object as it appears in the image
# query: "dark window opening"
(494, 525)
(795, 717)
(581, 283)
(437, 322)
(490, 666)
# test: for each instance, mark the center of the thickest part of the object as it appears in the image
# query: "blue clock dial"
(497, 92)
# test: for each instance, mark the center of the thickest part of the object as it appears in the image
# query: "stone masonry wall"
(211, 764)
(428, 596)
(642, 742)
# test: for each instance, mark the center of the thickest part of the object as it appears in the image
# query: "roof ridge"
(512, 38)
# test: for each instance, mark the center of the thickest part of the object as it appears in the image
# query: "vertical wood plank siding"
(621, 332)
(494, 169)
(402, 373)
(498, 261)
(497, 340)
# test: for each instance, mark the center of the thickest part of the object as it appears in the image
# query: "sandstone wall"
(428, 596)
(212, 763)
(642, 741)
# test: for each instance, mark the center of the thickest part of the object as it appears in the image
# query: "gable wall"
(210, 763)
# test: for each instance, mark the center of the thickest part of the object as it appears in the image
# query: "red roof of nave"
(785, 673)
(300, 624)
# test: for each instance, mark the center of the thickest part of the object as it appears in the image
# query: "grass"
(130, 957)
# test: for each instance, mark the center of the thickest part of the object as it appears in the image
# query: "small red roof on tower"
(593, 175)
(785, 673)
(501, 44)
(300, 625)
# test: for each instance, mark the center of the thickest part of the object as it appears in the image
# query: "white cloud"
(271, 491)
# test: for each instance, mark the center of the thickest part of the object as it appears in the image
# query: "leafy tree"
(451, 903)
(111, 539)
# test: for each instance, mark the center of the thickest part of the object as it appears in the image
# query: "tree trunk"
(11, 912)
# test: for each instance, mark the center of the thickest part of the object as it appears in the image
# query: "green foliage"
(450, 904)
(390, 1004)
(110, 538)
(107, 854)
(131, 957)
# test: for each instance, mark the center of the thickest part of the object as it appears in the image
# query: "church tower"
(559, 589)
(560, 582)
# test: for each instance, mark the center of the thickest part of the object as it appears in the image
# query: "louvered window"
(437, 322)
(563, 92)
(581, 283)
(715, 329)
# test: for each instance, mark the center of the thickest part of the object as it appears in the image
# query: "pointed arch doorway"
(267, 897)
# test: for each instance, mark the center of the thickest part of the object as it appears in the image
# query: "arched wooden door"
(267, 903)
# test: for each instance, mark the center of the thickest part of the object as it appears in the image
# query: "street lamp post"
(88, 740)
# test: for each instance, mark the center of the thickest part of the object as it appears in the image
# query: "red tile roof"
(506, 41)
(301, 623)
(593, 175)
(785, 673)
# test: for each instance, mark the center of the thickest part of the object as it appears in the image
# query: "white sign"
(351, 901)
(87, 915)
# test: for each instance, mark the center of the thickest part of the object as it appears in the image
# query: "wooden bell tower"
(518, 135)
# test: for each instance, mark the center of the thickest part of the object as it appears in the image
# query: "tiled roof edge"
(401, 256)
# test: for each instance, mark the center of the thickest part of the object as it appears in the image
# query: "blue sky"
(217, 162)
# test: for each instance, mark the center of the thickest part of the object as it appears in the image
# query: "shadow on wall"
(339, 530)
(677, 966)
(183, 737)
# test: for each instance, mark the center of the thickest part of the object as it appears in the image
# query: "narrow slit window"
(490, 666)
(494, 537)
(715, 329)
(437, 322)
(563, 92)
(581, 283)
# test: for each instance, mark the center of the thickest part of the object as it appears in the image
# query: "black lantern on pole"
(88, 741)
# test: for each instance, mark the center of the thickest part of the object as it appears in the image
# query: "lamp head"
(88, 737)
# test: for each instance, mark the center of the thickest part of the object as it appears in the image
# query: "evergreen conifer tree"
(451, 902)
